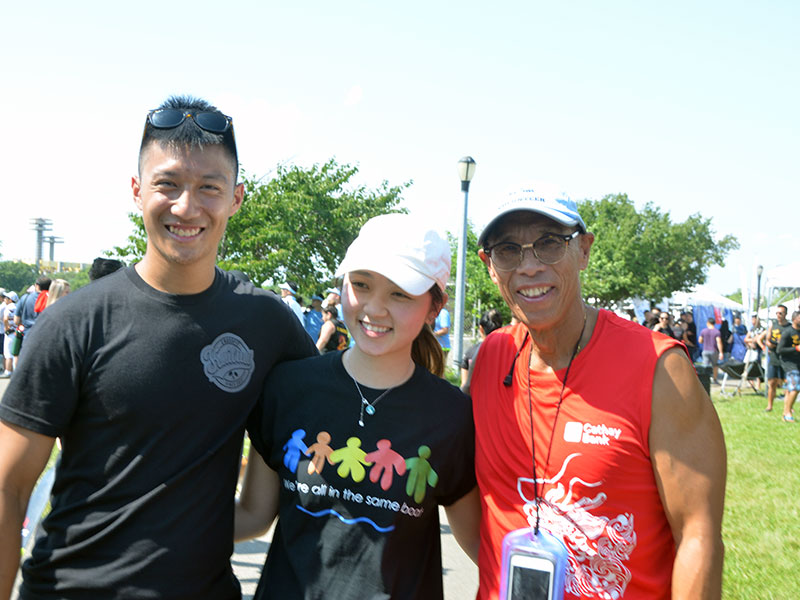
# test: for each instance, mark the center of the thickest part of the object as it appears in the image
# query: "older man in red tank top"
(595, 426)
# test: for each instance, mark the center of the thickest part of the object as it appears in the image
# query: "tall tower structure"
(40, 226)
(53, 240)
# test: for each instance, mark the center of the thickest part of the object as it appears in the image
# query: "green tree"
(736, 296)
(481, 293)
(643, 253)
(17, 276)
(134, 250)
(298, 225)
(76, 279)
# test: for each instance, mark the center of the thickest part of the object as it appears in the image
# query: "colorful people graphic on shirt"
(293, 449)
(420, 473)
(351, 458)
(385, 461)
(321, 450)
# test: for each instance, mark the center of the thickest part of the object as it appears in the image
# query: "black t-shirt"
(358, 514)
(789, 356)
(469, 356)
(666, 330)
(340, 338)
(774, 337)
(691, 335)
(150, 393)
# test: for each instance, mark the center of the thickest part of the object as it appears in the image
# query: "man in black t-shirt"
(775, 372)
(789, 352)
(148, 384)
(690, 334)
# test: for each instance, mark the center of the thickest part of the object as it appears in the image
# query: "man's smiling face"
(538, 294)
(186, 196)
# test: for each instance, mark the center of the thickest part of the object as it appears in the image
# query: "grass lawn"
(762, 515)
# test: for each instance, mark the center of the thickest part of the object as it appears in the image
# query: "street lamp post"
(466, 170)
(759, 272)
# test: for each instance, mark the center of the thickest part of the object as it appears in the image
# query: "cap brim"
(556, 216)
(399, 272)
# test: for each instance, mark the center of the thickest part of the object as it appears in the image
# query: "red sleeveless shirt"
(602, 498)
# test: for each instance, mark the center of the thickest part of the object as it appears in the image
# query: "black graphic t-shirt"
(358, 513)
(340, 338)
(789, 340)
(150, 393)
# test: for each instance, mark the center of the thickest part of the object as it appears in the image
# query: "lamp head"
(466, 169)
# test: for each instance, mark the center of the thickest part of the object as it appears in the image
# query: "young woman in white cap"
(361, 446)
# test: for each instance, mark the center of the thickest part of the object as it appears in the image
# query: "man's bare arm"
(687, 450)
(24, 454)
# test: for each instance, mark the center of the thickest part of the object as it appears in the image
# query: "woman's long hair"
(425, 350)
(58, 289)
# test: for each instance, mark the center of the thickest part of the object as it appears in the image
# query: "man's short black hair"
(103, 266)
(188, 134)
(331, 310)
(43, 282)
(491, 320)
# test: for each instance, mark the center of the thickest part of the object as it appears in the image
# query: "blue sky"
(691, 106)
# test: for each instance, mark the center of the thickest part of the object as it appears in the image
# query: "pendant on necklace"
(370, 409)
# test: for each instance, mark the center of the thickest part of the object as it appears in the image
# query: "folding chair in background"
(740, 372)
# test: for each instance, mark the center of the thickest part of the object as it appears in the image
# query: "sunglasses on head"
(169, 118)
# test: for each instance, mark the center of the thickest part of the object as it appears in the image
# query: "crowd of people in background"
(18, 314)
(719, 344)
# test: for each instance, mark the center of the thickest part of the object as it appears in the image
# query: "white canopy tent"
(702, 295)
(784, 279)
(782, 287)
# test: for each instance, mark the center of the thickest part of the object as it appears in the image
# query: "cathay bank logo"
(586, 433)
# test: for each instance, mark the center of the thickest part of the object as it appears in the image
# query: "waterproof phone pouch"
(534, 566)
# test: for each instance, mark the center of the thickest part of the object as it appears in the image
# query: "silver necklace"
(366, 405)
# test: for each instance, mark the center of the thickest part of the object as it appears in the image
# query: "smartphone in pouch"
(534, 566)
(530, 577)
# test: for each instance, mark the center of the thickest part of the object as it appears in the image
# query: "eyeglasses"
(548, 250)
(169, 118)
(664, 318)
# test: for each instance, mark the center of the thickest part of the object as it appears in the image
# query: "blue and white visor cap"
(541, 199)
(403, 249)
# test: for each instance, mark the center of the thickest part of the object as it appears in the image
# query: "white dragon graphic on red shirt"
(597, 546)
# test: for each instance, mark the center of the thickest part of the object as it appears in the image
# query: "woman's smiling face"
(382, 318)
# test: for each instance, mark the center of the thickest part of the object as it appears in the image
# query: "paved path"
(460, 574)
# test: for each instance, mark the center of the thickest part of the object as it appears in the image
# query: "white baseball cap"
(401, 248)
(540, 198)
